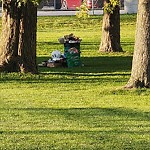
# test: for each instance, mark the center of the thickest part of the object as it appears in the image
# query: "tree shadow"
(88, 121)
(48, 43)
(85, 115)
(93, 65)
(127, 43)
(100, 66)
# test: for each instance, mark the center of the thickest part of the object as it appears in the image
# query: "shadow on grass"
(93, 65)
(117, 120)
(126, 128)
(110, 68)
(57, 43)
(48, 43)
(79, 131)
(64, 78)
(88, 113)
(85, 45)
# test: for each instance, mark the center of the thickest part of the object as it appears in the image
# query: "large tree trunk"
(18, 39)
(27, 39)
(110, 41)
(9, 37)
(140, 75)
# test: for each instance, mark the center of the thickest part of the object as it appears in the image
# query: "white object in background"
(130, 6)
(56, 55)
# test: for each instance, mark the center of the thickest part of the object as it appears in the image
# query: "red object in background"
(73, 4)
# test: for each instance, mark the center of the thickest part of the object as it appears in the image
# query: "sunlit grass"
(76, 108)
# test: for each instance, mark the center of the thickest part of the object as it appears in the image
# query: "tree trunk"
(27, 38)
(140, 74)
(9, 37)
(110, 41)
(18, 39)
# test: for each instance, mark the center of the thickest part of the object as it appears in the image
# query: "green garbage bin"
(72, 54)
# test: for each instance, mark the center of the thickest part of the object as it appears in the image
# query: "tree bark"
(110, 41)
(18, 39)
(9, 37)
(27, 38)
(140, 74)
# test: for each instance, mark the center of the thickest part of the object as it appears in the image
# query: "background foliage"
(110, 5)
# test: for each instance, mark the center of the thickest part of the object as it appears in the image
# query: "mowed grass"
(76, 108)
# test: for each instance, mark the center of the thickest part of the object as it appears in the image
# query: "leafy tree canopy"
(110, 5)
(36, 2)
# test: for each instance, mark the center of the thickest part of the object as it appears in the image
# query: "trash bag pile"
(57, 59)
(71, 38)
(71, 56)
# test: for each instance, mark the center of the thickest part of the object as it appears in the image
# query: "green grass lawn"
(82, 108)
